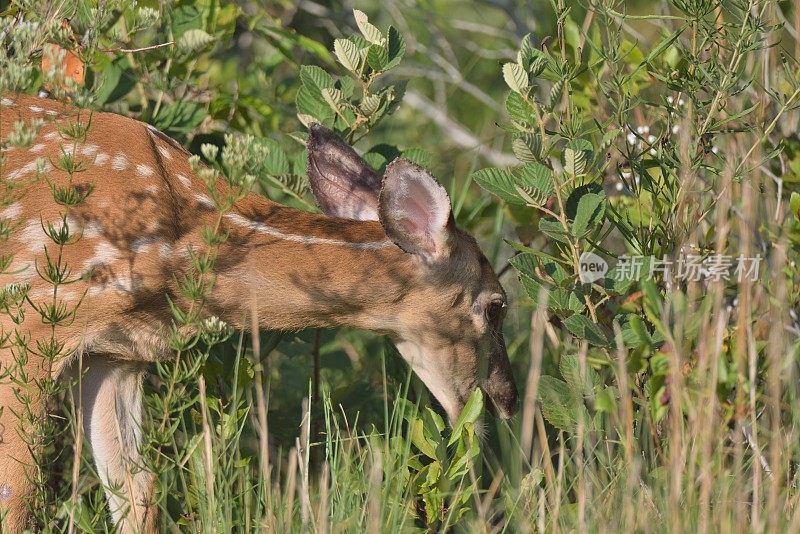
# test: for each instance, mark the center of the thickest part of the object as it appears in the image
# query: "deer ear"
(343, 184)
(415, 211)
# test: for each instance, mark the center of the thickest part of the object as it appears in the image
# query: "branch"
(457, 133)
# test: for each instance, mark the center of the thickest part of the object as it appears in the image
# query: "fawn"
(385, 256)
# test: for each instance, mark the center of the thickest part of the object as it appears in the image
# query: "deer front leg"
(112, 407)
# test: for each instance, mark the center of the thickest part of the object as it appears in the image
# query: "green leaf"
(419, 156)
(370, 32)
(332, 97)
(527, 147)
(469, 414)
(377, 57)
(536, 183)
(348, 54)
(397, 48)
(421, 441)
(115, 81)
(554, 230)
(310, 103)
(555, 94)
(558, 405)
(590, 211)
(526, 52)
(663, 45)
(194, 40)
(794, 204)
(583, 328)
(576, 155)
(499, 182)
(518, 109)
(315, 77)
(370, 104)
(571, 371)
(516, 77)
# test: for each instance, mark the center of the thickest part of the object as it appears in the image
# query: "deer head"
(449, 329)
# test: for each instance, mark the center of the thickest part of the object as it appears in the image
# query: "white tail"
(396, 264)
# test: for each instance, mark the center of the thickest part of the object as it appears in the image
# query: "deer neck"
(296, 269)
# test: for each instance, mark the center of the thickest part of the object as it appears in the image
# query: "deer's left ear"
(343, 183)
(415, 211)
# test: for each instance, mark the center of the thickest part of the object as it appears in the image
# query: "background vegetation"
(659, 129)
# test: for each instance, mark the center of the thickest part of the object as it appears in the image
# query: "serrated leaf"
(348, 54)
(396, 47)
(558, 406)
(370, 32)
(499, 182)
(194, 40)
(525, 52)
(535, 183)
(569, 366)
(419, 156)
(516, 78)
(315, 77)
(527, 147)
(518, 109)
(576, 155)
(582, 327)
(377, 57)
(311, 103)
(590, 211)
(332, 97)
(370, 104)
(555, 94)
(554, 230)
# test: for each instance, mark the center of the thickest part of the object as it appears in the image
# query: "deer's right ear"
(343, 183)
(415, 211)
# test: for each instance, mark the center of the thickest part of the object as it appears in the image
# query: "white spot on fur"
(38, 147)
(11, 212)
(204, 200)
(185, 182)
(152, 188)
(5, 489)
(104, 253)
(142, 244)
(164, 153)
(51, 136)
(144, 170)
(47, 292)
(120, 162)
(165, 250)
(52, 112)
(101, 159)
(304, 239)
(89, 150)
(92, 230)
(28, 168)
(35, 109)
(33, 235)
(7, 103)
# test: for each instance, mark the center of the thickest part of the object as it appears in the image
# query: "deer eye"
(495, 310)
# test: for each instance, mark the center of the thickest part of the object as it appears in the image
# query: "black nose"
(504, 401)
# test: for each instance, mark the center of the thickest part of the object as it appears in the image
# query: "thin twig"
(134, 50)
